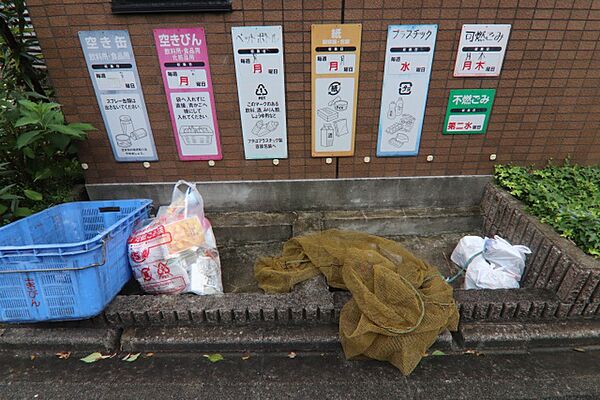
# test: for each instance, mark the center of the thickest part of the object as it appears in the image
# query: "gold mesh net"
(399, 305)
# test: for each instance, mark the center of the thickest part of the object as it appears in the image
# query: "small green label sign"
(468, 111)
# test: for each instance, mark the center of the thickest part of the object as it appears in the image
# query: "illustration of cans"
(126, 124)
(139, 133)
(123, 141)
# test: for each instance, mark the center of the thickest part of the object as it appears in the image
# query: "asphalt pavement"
(565, 374)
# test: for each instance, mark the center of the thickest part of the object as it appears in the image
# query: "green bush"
(566, 197)
(38, 162)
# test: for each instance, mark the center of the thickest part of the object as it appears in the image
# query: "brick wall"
(547, 102)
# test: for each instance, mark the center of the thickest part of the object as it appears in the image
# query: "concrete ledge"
(232, 339)
(320, 338)
(313, 195)
(59, 339)
(506, 304)
(309, 302)
(529, 336)
(407, 221)
(252, 227)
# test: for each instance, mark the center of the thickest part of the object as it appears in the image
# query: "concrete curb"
(231, 339)
(503, 337)
(59, 339)
(317, 338)
(482, 336)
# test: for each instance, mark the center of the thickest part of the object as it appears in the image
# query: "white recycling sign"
(113, 71)
(408, 60)
(258, 56)
(481, 50)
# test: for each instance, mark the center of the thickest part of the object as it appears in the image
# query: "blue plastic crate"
(67, 262)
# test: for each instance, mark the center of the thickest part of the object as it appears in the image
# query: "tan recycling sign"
(335, 65)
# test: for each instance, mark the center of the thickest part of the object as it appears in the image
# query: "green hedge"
(566, 197)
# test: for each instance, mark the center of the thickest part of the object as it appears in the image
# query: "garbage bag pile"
(176, 252)
(399, 305)
(490, 263)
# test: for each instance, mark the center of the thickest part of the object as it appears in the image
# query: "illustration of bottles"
(327, 133)
(395, 108)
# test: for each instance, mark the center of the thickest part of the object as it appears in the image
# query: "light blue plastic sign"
(408, 59)
(111, 64)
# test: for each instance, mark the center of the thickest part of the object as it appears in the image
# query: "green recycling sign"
(468, 111)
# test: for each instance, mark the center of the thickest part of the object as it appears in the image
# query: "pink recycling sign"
(186, 76)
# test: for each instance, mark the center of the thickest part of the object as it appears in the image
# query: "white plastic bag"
(176, 252)
(490, 263)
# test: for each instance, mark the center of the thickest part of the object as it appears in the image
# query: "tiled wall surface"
(547, 102)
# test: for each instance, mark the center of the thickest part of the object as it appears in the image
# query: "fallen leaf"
(131, 357)
(245, 356)
(292, 354)
(148, 355)
(438, 353)
(93, 357)
(63, 355)
(579, 349)
(213, 358)
(32, 357)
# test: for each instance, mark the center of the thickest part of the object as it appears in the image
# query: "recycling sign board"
(408, 60)
(258, 56)
(468, 111)
(186, 77)
(113, 71)
(335, 66)
(481, 50)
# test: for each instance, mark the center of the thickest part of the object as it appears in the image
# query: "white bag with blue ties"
(490, 263)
